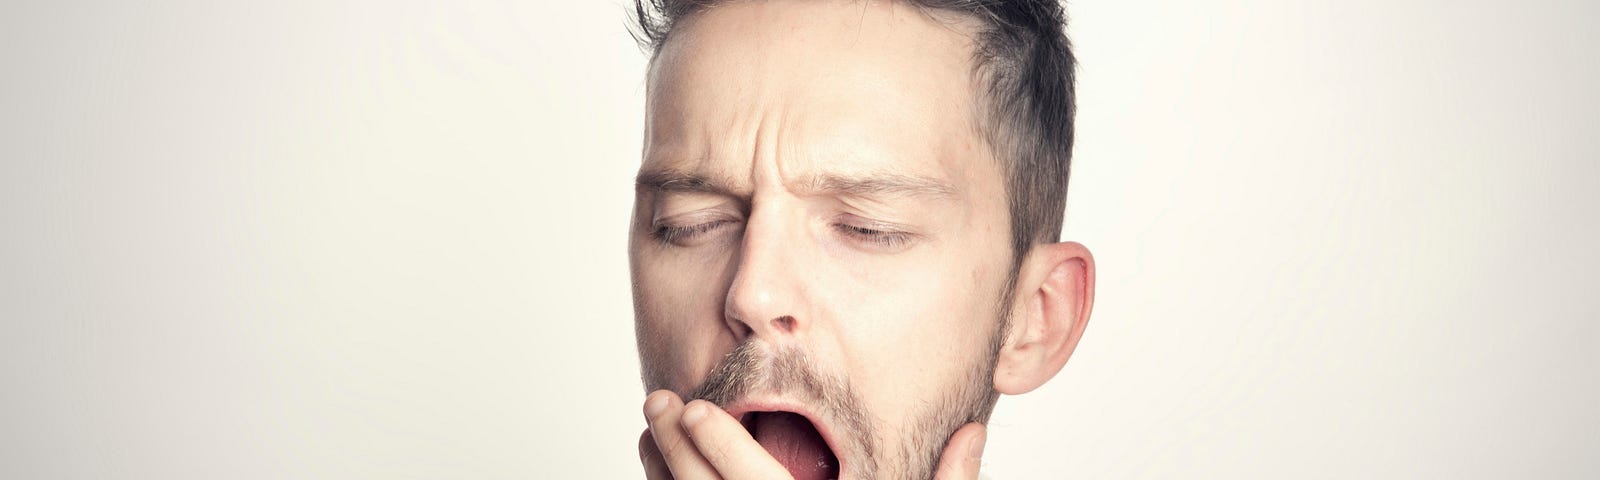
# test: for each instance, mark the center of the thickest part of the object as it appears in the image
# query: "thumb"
(963, 454)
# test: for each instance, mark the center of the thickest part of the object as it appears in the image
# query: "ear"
(1049, 311)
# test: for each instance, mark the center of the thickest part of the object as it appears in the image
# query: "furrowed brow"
(880, 185)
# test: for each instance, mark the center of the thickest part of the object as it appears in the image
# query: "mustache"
(749, 369)
(752, 368)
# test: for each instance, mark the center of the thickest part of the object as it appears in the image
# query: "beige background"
(1348, 239)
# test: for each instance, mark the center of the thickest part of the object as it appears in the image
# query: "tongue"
(796, 444)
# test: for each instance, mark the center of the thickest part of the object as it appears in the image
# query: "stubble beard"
(752, 368)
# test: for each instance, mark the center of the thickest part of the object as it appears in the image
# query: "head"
(850, 209)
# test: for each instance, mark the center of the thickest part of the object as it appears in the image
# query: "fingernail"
(694, 415)
(654, 405)
(976, 449)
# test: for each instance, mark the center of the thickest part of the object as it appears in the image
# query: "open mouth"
(795, 442)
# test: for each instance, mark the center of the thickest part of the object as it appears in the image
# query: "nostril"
(740, 330)
(784, 323)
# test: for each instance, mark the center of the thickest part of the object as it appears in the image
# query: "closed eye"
(687, 235)
(875, 235)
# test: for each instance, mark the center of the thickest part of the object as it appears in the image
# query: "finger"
(655, 466)
(727, 445)
(664, 410)
(963, 454)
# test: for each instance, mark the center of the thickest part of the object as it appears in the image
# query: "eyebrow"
(879, 185)
(872, 185)
(667, 180)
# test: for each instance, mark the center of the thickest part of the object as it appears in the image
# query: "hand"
(701, 441)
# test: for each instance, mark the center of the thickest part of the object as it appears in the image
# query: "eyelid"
(871, 224)
(689, 207)
(692, 218)
(687, 229)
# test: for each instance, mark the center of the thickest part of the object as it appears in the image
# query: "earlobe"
(1050, 310)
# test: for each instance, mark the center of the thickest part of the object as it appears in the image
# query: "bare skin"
(813, 180)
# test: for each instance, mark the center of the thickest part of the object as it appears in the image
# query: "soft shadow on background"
(386, 240)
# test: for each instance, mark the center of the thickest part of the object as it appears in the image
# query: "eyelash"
(876, 236)
(669, 234)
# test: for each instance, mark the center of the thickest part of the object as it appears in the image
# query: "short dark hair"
(1025, 68)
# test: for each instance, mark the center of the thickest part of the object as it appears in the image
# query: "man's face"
(815, 200)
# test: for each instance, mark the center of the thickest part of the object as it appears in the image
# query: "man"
(844, 242)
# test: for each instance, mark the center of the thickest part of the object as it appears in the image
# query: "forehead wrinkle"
(744, 120)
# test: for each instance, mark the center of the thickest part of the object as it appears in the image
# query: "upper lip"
(739, 408)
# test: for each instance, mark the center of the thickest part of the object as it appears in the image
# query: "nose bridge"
(765, 298)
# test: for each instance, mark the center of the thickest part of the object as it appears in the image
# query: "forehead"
(852, 86)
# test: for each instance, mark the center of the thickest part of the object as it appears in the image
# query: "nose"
(768, 294)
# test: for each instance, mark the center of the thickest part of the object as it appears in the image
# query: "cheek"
(678, 318)
(919, 334)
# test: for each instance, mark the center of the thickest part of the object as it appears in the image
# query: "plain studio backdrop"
(375, 239)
